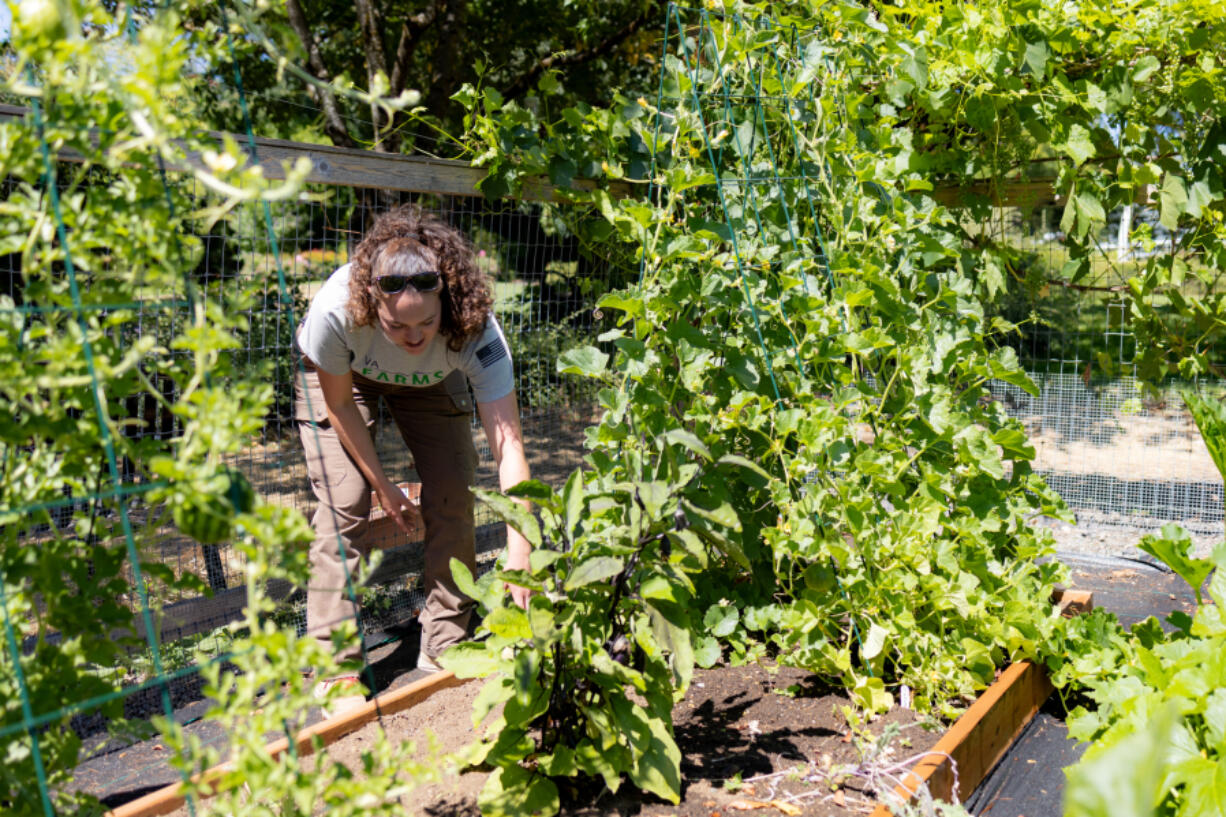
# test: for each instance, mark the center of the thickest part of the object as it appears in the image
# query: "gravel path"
(1117, 535)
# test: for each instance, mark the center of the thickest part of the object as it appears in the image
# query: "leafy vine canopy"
(801, 452)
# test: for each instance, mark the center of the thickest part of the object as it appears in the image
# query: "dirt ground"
(753, 739)
(1160, 444)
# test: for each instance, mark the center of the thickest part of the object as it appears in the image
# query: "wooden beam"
(1073, 602)
(1024, 195)
(166, 800)
(348, 167)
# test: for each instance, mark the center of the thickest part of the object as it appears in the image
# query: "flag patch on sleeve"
(491, 353)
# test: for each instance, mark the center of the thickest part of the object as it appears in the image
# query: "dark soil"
(753, 739)
(762, 740)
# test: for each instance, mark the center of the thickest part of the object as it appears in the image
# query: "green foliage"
(206, 512)
(614, 572)
(795, 399)
(1210, 418)
(514, 47)
(101, 250)
(1159, 724)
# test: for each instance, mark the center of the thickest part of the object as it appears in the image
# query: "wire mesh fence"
(1118, 452)
(545, 288)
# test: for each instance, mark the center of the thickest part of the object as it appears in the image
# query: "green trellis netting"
(104, 359)
(1120, 456)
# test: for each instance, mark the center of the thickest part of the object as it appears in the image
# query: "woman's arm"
(500, 418)
(345, 417)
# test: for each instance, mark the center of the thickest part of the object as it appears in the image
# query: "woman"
(408, 321)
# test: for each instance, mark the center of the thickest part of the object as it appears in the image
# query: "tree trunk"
(447, 73)
(334, 125)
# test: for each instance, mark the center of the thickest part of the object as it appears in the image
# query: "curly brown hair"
(466, 295)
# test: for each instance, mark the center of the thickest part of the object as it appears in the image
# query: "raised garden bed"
(753, 739)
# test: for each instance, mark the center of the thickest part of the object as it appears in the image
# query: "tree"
(433, 47)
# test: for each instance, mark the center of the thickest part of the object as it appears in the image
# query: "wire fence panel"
(1119, 454)
(545, 288)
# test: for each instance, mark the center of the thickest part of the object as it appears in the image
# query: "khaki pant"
(435, 422)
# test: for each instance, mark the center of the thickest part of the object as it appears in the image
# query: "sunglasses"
(431, 281)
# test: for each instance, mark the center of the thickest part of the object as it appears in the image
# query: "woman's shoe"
(427, 664)
(351, 698)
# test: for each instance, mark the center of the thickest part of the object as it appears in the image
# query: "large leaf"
(1122, 779)
(469, 660)
(1173, 201)
(537, 491)
(721, 620)
(512, 791)
(594, 569)
(513, 513)
(657, 760)
(587, 361)
(572, 499)
(1210, 418)
(1174, 549)
(1205, 792)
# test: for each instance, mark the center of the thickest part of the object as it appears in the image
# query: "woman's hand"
(518, 551)
(501, 421)
(403, 511)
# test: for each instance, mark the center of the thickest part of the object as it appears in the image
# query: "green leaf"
(721, 620)
(513, 513)
(742, 462)
(632, 306)
(743, 370)
(870, 693)
(496, 691)
(594, 569)
(1036, 58)
(586, 361)
(663, 588)
(722, 514)
(1173, 201)
(1144, 68)
(525, 672)
(463, 579)
(469, 660)
(915, 66)
(1014, 442)
(657, 760)
(608, 761)
(1210, 418)
(690, 440)
(561, 171)
(541, 558)
(718, 229)
(536, 491)
(706, 651)
(874, 641)
(1174, 549)
(1123, 778)
(559, 764)
(512, 791)
(508, 622)
(1205, 781)
(1080, 147)
(572, 498)
(1090, 212)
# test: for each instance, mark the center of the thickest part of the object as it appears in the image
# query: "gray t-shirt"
(330, 340)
